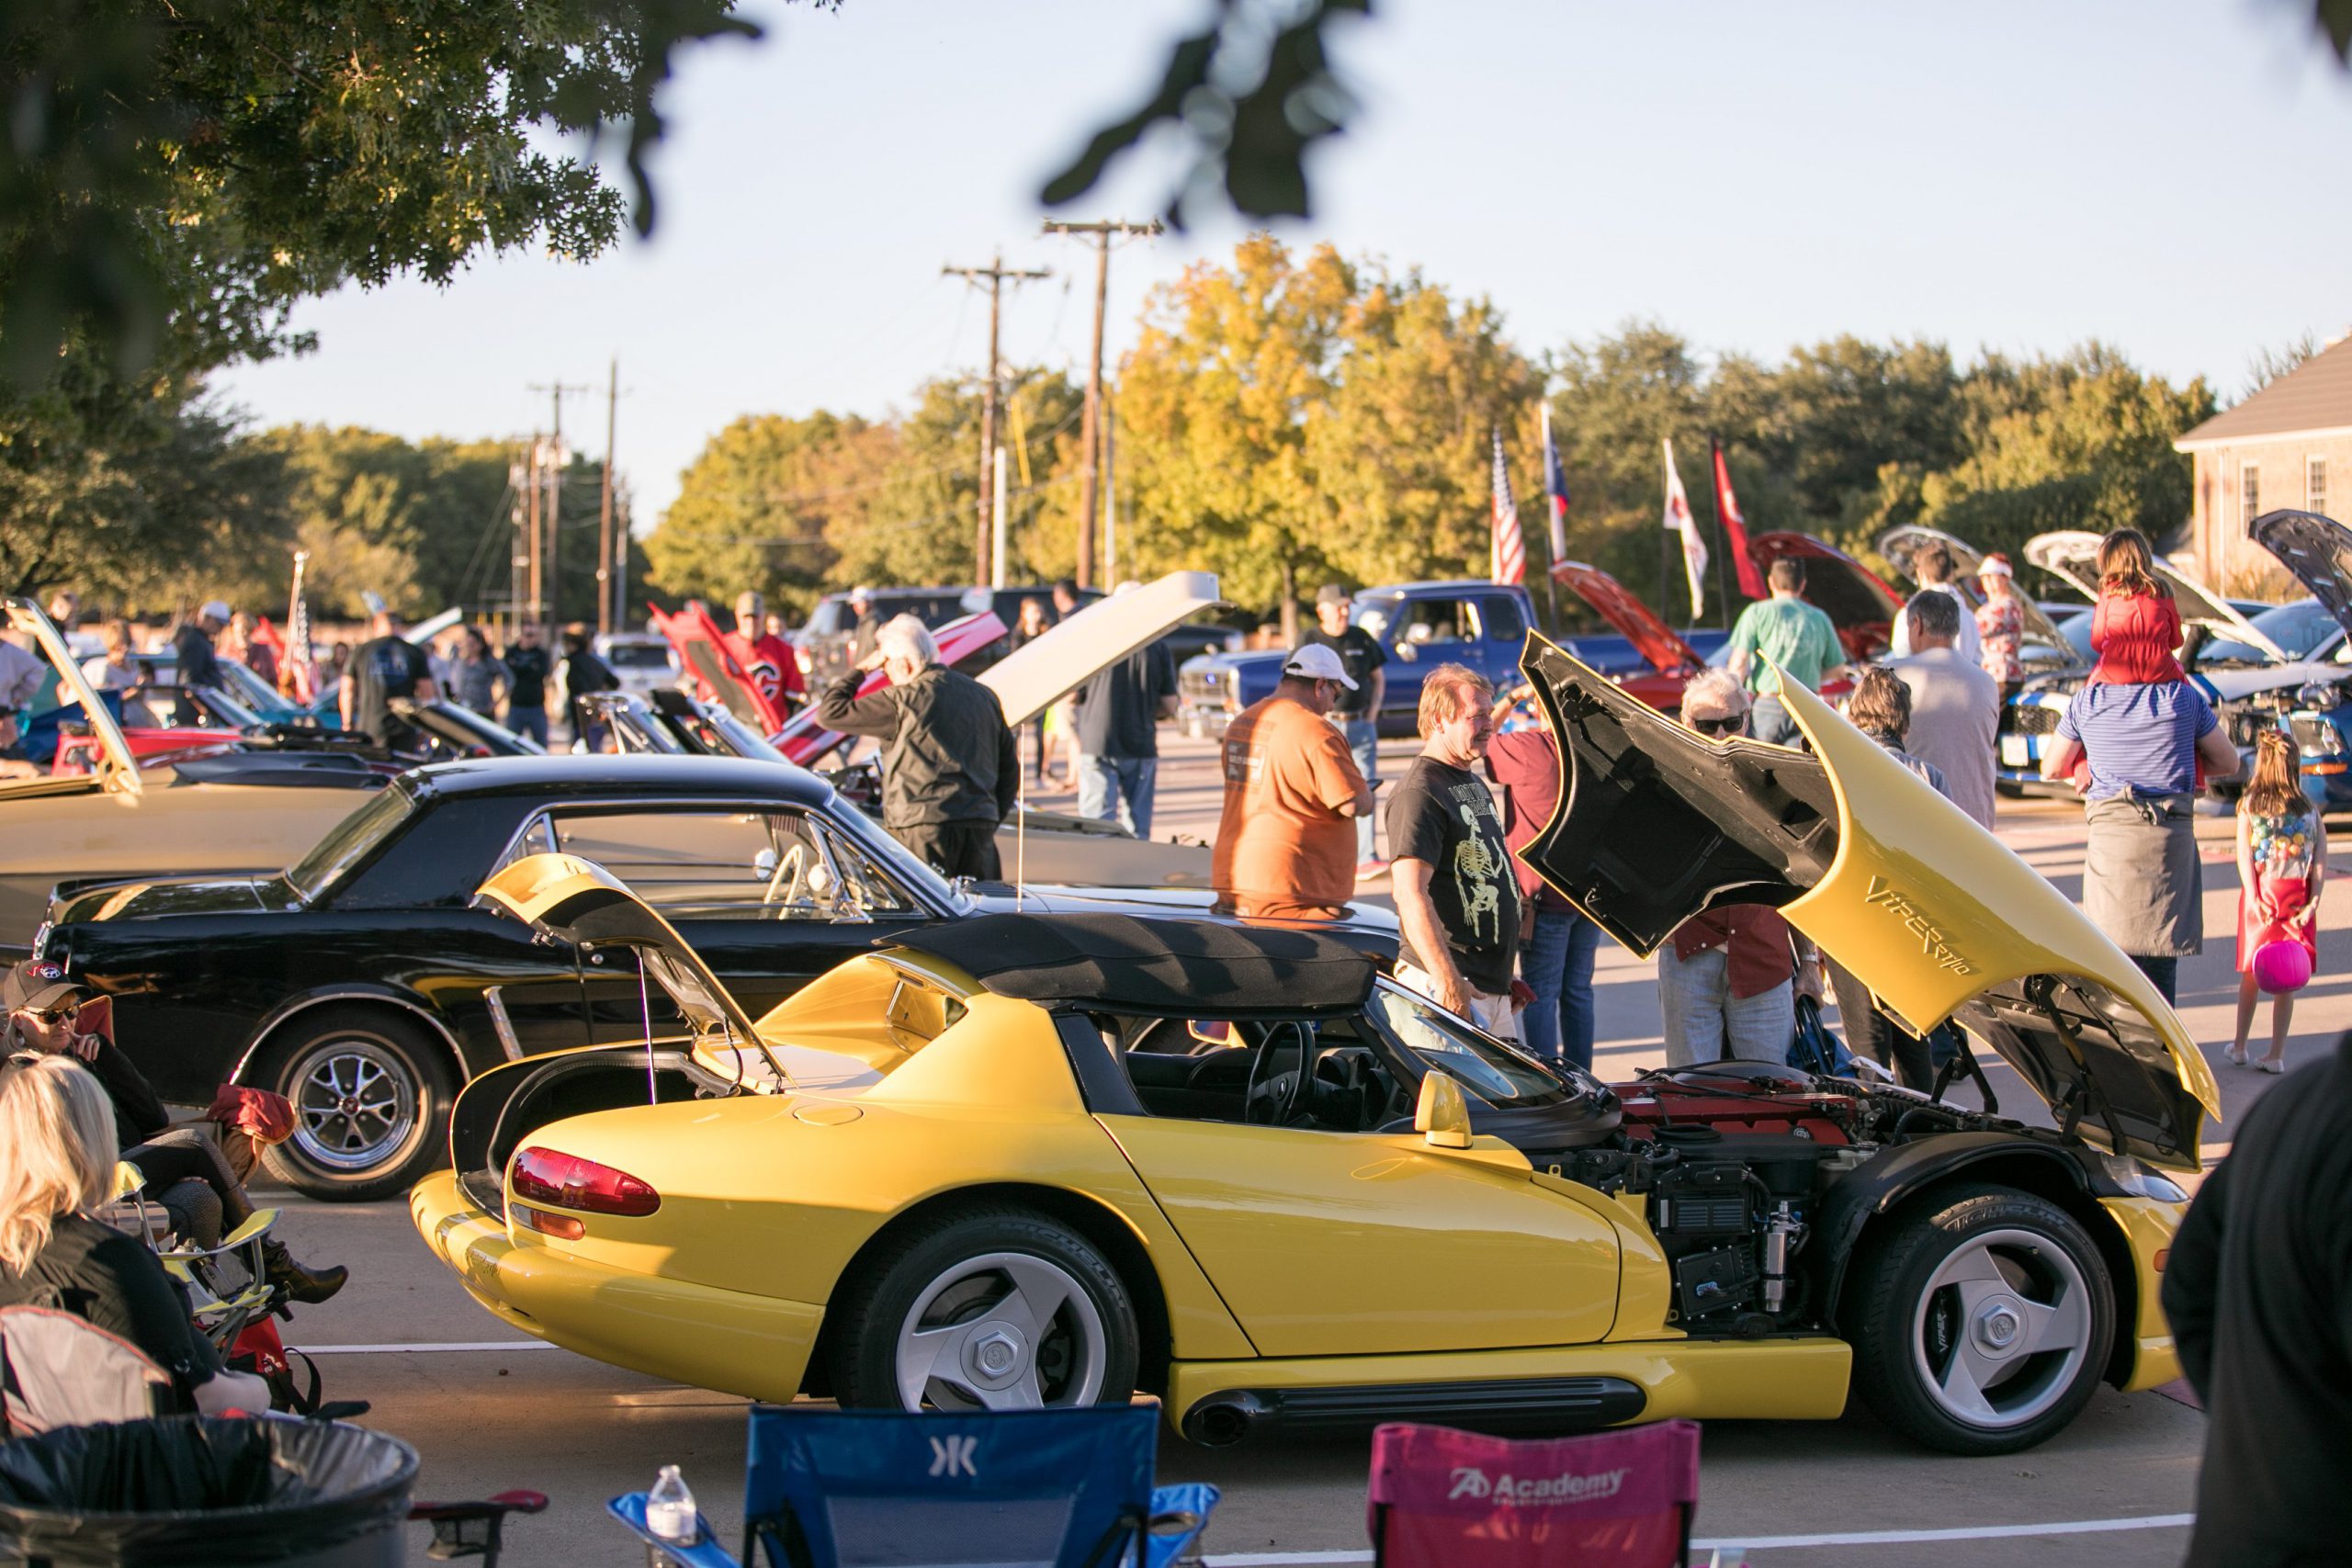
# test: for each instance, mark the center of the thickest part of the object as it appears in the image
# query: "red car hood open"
(1659, 643)
(803, 740)
(1856, 599)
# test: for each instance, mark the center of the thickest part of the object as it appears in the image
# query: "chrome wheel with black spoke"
(984, 1310)
(371, 1097)
(1984, 1320)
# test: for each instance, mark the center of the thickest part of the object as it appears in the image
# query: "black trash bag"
(182, 1491)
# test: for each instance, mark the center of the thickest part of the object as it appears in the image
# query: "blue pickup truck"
(1419, 625)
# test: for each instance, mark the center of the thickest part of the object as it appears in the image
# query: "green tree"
(1618, 398)
(760, 506)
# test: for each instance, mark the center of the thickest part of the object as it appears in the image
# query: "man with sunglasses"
(45, 1014)
(1728, 979)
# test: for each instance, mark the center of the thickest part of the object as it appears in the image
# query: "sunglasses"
(1729, 726)
(64, 1012)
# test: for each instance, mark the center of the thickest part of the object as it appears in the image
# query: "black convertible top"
(1174, 968)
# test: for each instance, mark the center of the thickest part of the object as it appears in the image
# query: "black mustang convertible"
(367, 985)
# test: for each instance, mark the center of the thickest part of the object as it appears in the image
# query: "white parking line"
(424, 1349)
(1774, 1543)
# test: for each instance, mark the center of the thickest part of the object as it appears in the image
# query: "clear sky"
(2168, 176)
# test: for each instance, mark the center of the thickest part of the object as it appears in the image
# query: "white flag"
(1678, 521)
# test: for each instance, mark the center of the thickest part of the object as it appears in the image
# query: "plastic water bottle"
(670, 1509)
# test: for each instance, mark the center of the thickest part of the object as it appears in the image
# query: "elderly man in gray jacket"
(1955, 705)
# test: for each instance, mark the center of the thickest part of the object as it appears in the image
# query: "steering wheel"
(795, 864)
(1280, 1093)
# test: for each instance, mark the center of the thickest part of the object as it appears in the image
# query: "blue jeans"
(1363, 740)
(529, 721)
(1102, 781)
(1768, 720)
(1556, 963)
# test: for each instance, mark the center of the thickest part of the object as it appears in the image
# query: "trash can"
(183, 1490)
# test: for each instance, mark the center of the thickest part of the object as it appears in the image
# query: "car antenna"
(1020, 840)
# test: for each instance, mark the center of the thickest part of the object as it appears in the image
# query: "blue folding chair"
(1063, 1488)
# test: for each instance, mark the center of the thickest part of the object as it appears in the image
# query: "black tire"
(1913, 1320)
(946, 1274)
(352, 1159)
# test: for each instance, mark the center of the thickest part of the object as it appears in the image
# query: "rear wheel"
(996, 1309)
(372, 1094)
(1983, 1321)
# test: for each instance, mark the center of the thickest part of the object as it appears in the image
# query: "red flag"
(1751, 580)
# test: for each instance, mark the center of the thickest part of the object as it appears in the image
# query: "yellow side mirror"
(1442, 1116)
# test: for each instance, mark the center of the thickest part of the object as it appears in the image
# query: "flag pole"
(1551, 556)
(1723, 545)
(1665, 571)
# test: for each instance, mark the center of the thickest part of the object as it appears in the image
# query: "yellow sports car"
(1027, 1160)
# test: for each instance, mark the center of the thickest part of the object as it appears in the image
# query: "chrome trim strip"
(494, 998)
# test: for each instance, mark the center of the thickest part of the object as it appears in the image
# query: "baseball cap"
(37, 986)
(1317, 662)
(1330, 593)
(1995, 565)
(215, 610)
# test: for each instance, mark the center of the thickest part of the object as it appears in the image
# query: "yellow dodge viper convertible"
(1029, 1161)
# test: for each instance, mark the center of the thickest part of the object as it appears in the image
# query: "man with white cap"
(1286, 843)
(192, 645)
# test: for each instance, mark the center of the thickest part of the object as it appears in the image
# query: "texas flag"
(1555, 487)
(1678, 521)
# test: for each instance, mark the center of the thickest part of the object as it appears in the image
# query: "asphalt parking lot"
(489, 1411)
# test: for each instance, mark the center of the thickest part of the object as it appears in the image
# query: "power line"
(997, 275)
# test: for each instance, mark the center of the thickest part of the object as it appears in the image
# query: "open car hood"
(702, 653)
(2073, 554)
(1085, 644)
(580, 903)
(1657, 823)
(118, 767)
(1899, 545)
(1856, 599)
(1657, 642)
(2318, 550)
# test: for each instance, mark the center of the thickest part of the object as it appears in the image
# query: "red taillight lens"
(568, 1181)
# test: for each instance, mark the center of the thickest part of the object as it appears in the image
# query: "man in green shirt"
(1796, 637)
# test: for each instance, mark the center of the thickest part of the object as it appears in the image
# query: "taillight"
(568, 1181)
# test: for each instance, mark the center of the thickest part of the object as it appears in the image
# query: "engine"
(1731, 1159)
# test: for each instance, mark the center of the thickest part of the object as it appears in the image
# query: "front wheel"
(996, 1309)
(1983, 1321)
(372, 1095)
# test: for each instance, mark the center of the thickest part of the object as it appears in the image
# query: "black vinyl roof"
(1174, 969)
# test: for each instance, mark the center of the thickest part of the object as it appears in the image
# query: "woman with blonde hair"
(57, 1149)
(2282, 861)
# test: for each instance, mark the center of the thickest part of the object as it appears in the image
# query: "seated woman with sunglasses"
(43, 1016)
(56, 1166)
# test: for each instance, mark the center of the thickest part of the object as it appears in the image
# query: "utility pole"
(557, 458)
(997, 276)
(606, 610)
(532, 539)
(1102, 231)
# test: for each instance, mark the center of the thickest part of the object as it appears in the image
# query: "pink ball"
(2283, 965)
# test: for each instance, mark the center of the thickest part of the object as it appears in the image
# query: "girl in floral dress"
(2000, 622)
(2282, 861)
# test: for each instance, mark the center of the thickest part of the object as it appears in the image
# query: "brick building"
(2287, 445)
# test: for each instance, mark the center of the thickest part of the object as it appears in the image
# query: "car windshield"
(638, 656)
(2298, 629)
(349, 842)
(1376, 615)
(251, 690)
(1484, 1066)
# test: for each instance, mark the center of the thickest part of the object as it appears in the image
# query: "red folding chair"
(1446, 1499)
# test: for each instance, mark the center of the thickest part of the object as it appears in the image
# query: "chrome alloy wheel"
(355, 1103)
(1002, 1331)
(2002, 1328)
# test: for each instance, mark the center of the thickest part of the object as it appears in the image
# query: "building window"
(2315, 485)
(2249, 493)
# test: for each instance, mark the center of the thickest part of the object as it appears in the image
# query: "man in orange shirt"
(1286, 844)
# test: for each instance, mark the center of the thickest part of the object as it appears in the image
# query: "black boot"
(292, 1280)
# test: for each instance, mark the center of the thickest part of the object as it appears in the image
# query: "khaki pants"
(1492, 1013)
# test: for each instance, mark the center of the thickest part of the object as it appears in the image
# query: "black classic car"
(366, 984)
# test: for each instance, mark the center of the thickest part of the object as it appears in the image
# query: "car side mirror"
(1442, 1117)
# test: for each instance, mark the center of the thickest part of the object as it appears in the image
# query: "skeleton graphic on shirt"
(1477, 873)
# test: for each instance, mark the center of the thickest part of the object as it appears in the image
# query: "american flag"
(1510, 551)
(294, 673)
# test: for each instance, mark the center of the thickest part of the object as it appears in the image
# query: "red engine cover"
(1734, 1106)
